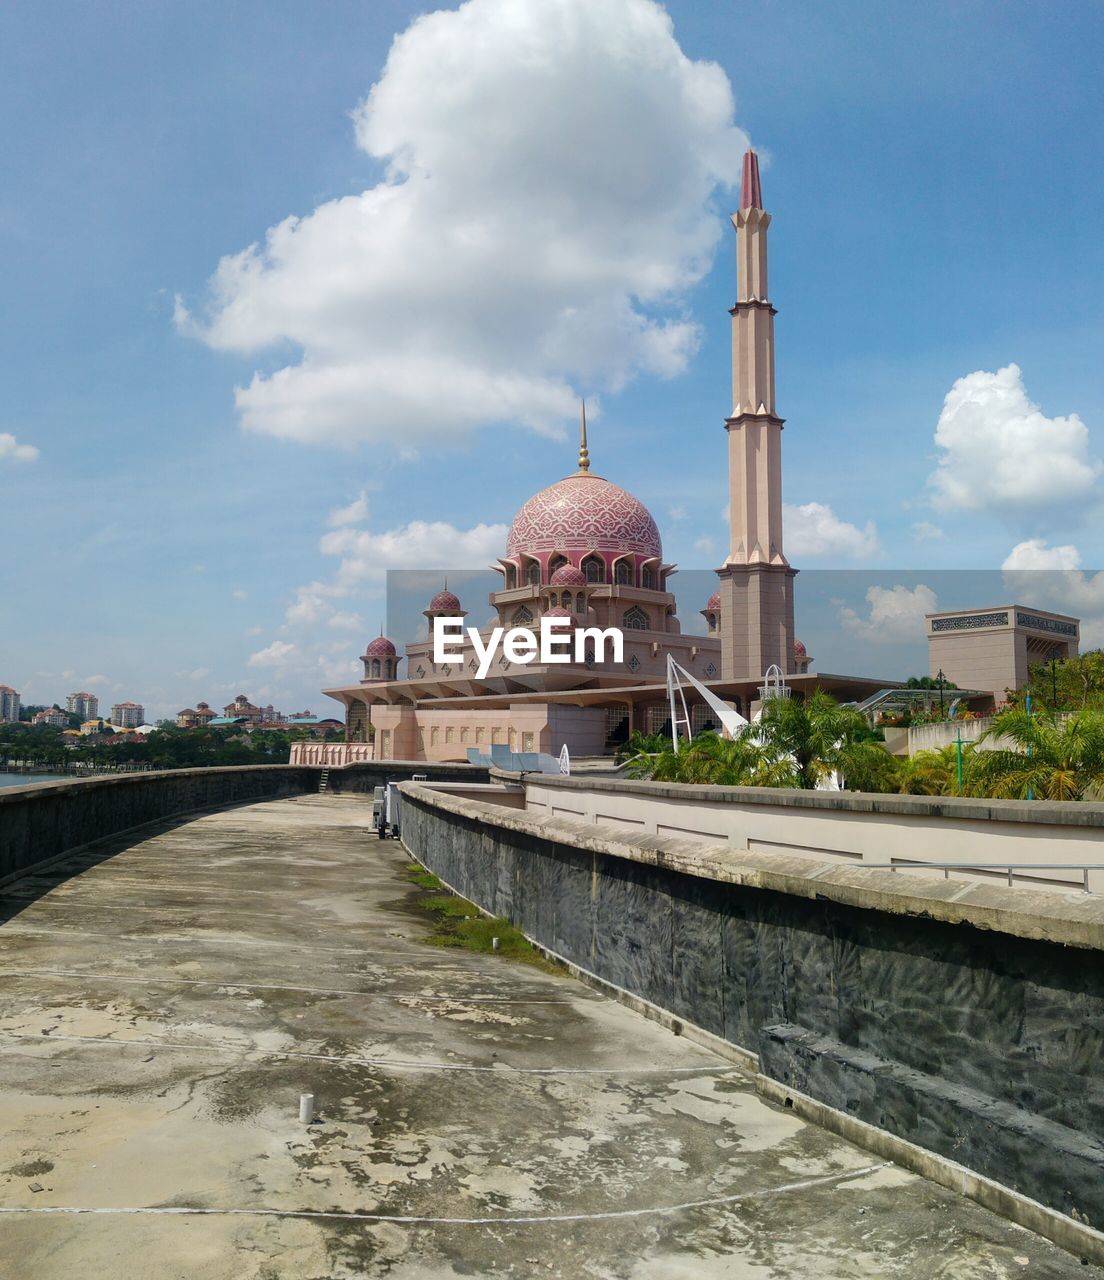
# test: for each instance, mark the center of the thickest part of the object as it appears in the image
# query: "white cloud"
(547, 203)
(925, 531)
(676, 513)
(355, 513)
(1052, 578)
(345, 621)
(896, 614)
(278, 654)
(814, 529)
(12, 451)
(1001, 453)
(1035, 554)
(239, 594)
(705, 544)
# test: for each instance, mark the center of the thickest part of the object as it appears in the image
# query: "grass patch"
(458, 923)
(421, 877)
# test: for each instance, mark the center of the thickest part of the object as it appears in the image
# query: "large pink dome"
(583, 513)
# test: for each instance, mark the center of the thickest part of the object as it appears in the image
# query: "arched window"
(522, 617)
(557, 562)
(622, 573)
(553, 600)
(532, 574)
(636, 619)
(711, 619)
(510, 577)
(595, 569)
(648, 578)
(375, 666)
(580, 602)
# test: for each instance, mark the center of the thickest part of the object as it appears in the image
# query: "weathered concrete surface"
(163, 1009)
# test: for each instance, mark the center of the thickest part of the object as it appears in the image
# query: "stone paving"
(165, 1004)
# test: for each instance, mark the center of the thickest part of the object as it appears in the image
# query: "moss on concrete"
(459, 923)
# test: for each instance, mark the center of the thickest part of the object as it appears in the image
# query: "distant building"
(85, 705)
(993, 648)
(241, 709)
(10, 704)
(128, 715)
(53, 716)
(95, 726)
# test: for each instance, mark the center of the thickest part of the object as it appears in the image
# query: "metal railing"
(1009, 868)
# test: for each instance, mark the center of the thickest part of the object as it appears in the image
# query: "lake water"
(24, 779)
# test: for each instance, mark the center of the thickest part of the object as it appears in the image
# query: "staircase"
(324, 782)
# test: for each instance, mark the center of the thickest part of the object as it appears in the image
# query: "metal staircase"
(324, 782)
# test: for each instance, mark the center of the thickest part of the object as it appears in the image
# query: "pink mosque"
(586, 549)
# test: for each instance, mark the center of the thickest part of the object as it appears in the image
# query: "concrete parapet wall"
(364, 778)
(966, 1018)
(843, 827)
(42, 821)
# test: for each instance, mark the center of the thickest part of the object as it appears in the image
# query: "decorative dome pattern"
(583, 513)
(799, 650)
(568, 576)
(380, 647)
(561, 613)
(714, 601)
(444, 602)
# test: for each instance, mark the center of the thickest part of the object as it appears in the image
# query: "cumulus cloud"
(354, 513)
(925, 531)
(1035, 554)
(1052, 578)
(12, 451)
(814, 529)
(546, 204)
(278, 654)
(896, 614)
(1001, 453)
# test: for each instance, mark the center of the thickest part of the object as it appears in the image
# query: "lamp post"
(940, 677)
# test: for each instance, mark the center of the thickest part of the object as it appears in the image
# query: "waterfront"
(25, 779)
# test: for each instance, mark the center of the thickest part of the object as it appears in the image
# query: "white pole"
(306, 1108)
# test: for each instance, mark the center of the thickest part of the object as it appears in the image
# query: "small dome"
(799, 650)
(444, 602)
(584, 513)
(568, 576)
(714, 601)
(380, 647)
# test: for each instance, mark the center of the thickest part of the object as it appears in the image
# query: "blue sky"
(935, 175)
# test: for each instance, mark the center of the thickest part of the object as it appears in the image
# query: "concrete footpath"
(164, 1005)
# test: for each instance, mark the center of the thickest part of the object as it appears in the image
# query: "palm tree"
(724, 762)
(931, 773)
(640, 743)
(817, 734)
(1052, 757)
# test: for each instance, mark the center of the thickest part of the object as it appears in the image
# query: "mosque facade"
(586, 551)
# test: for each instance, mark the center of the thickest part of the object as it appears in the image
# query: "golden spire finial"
(584, 455)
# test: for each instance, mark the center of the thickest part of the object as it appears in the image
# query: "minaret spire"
(756, 580)
(584, 455)
(751, 193)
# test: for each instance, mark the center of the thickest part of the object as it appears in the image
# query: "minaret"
(757, 613)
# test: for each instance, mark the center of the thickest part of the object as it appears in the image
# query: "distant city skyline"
(207, 488)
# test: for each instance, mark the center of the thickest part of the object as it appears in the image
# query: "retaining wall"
(844, 826)
(963, 1017)
(41, 821)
